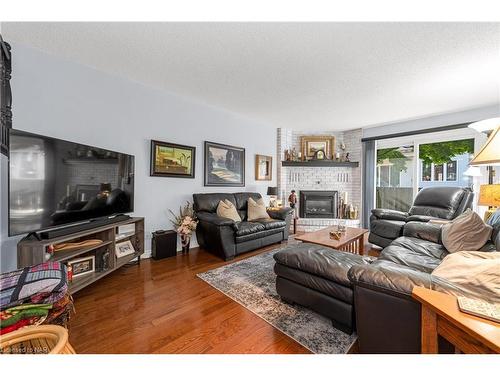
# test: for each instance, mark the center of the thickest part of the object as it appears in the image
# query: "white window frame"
(445, 172)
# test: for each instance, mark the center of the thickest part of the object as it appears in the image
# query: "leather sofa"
(371, 295)
(430, 203)
(227, 238)
(387, 317)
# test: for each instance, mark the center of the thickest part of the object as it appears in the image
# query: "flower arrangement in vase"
(185, 224)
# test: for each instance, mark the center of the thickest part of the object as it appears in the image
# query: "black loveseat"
(430, 203)
(227, 238)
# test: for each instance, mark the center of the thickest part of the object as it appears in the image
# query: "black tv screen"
(53, 182)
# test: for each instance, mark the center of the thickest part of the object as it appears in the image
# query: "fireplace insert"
(318, 204)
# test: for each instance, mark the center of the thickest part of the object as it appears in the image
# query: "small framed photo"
(124, 248)
(82, 266)
(263, 168)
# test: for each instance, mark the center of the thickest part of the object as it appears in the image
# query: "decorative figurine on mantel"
(347, 157)
(342, 147)
(287, 155)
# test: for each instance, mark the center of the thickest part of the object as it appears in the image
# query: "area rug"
(251, 283)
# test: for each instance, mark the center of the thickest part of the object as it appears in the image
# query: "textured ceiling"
(299, 75)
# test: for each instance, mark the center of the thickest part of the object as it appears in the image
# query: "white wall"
(62, 99)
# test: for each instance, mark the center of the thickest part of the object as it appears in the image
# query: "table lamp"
(489, 154)
(489, 195)
(272, 191)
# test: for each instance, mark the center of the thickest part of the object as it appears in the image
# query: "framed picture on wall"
(172, 160)
(224, 165)
(312, 144)
(263, 168)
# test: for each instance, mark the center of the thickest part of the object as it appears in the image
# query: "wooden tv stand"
(31, 252)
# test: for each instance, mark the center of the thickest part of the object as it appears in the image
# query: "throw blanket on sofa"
(476, 272)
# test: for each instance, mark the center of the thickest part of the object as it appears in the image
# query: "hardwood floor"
(162, 307)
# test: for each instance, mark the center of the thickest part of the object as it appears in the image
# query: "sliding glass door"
(394, 176)
(405, 165)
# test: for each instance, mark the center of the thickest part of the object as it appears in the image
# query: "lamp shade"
(272, 190)
(489, 195)
(485, 125)
(490, 153)
(105, 187)
(473, 172)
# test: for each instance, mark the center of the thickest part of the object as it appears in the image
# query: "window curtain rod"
(416, 132)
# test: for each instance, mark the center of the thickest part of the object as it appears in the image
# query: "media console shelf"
(31, 252)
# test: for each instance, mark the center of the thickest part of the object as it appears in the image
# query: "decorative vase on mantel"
(185, 241)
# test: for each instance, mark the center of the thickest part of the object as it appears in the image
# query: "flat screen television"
(54, 183)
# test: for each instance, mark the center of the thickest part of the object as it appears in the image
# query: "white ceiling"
(298, 75)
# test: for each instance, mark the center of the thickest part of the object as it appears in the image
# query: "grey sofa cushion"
(320, 261)
(318, 283)
(441, 202)
(415, 253)
(271, 223)
(387, 228)
(245, 228)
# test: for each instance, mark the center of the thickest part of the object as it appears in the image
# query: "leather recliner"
(227, 238)
(430, 203)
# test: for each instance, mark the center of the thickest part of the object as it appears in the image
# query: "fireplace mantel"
(320, 163)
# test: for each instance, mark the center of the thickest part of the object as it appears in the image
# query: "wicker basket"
(43, 339)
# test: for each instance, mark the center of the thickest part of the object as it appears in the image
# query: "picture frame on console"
(263, 168)
(82, 266)
(224, 165)
(124, 248)
(172, 160)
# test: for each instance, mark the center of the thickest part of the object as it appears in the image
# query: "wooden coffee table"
(352, 240)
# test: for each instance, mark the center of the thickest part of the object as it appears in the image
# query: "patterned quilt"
(43, 283)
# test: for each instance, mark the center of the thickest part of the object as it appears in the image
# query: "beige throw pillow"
(226, 209)
(466, 232)
(476, 272)
(257, 210)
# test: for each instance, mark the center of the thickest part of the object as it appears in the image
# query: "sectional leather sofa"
(371, 296)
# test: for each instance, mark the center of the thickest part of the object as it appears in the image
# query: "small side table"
(442, 317)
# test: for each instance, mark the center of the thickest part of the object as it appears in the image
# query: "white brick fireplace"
(345, 180)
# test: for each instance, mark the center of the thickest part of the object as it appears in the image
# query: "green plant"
(395, 156)
(443, 152)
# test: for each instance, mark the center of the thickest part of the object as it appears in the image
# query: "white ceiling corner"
(298, 75)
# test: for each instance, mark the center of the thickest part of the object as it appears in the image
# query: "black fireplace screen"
(318, 204)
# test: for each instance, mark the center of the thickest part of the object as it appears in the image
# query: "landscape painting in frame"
(172, 160)
(224, 165)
